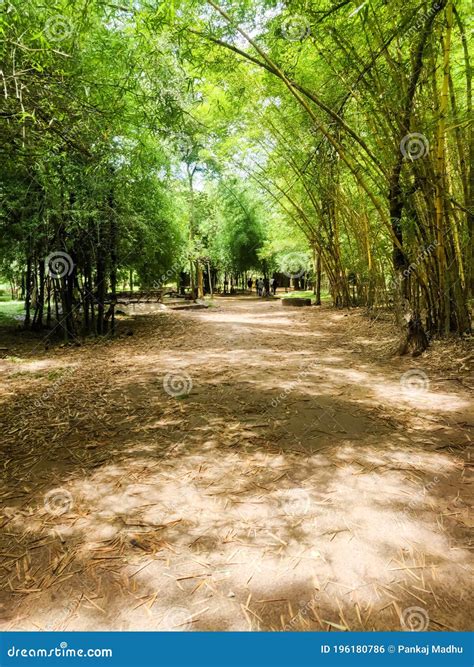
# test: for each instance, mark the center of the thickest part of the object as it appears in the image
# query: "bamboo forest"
(236, 291)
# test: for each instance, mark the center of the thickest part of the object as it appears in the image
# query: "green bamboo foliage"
(349, 127)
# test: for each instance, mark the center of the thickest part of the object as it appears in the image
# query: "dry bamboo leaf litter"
(113, 432)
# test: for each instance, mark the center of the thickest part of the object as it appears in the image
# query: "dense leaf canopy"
(145, 141)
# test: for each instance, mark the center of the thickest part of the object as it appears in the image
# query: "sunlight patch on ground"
(419, 398)
(219, 510)
(27, 366)
(338, 530)
(263, 319)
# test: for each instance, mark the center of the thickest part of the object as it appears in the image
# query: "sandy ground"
(242, 467)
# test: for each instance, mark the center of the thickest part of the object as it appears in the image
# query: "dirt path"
(302, 480)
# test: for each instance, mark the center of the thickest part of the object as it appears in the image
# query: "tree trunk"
(200, 280)
(210, 279)
(318, 280)
(28, 292)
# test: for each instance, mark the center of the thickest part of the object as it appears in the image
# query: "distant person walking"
(250, 283)
(260, 286)
(273, 286)
(266, 286)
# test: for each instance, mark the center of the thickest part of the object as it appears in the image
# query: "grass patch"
(8, 311)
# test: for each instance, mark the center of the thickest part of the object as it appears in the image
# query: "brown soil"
(308, 480)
